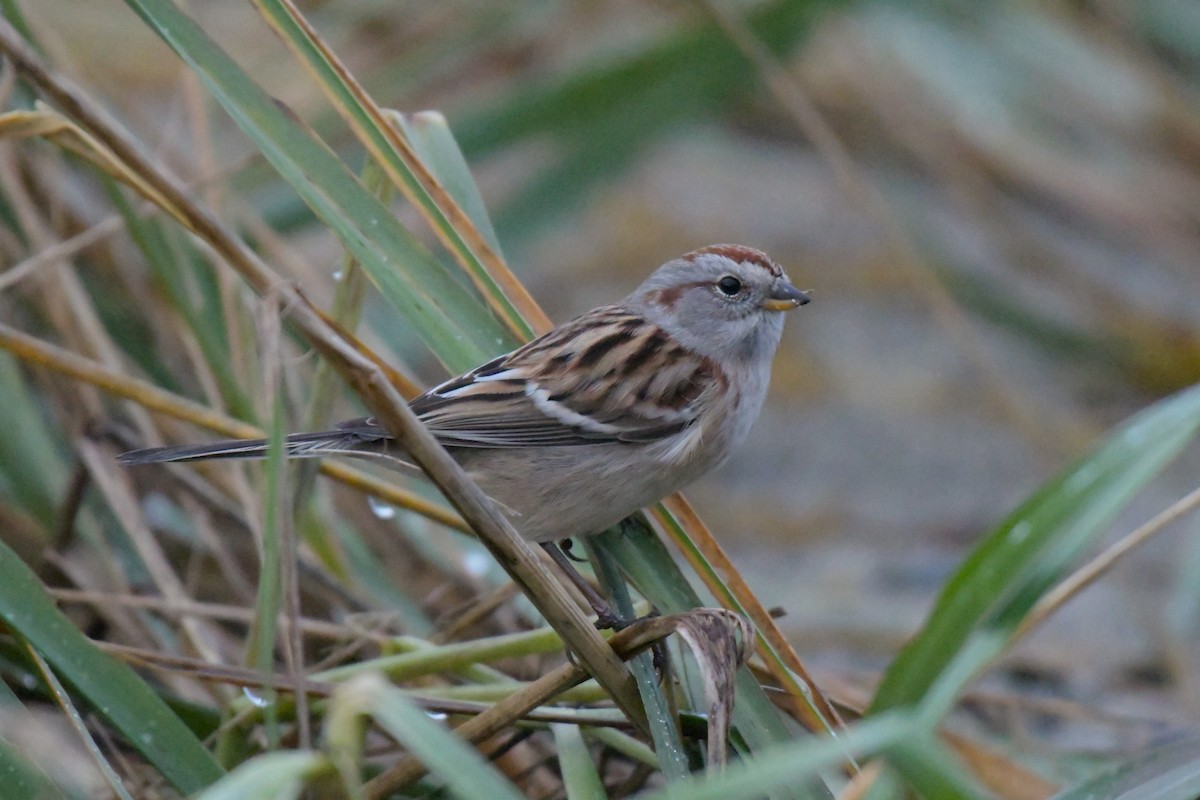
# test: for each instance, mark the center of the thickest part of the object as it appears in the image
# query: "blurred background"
(996, 206)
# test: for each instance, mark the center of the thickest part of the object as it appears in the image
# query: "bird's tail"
(297, 445)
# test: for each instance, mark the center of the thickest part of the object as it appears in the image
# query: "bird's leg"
(605, 618)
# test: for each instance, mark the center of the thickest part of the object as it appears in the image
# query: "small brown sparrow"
(604, 414)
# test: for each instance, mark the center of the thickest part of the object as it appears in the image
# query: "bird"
(600, 416)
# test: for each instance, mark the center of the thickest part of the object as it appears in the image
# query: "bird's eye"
(729, 285)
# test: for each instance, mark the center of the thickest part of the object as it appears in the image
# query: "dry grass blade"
(63, 250)
(64, 701)
(720, 641)
(118, 492)
(407, 388)
(781, 660)
(860, 786)
(998, 773)
(246, 677)
(49, 124)
(1099, 566)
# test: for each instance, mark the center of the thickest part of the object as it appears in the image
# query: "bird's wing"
(608, 376)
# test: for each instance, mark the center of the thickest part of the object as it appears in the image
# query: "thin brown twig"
(71, 504)
(214, 611)
(60, 251)
(1099, 566)
(478, 610)
(244, 677)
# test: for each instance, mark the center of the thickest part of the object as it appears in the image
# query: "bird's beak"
(785, 297)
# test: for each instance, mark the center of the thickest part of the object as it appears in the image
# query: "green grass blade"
(789, 764)
(183, 273)
(434, 143)
(1169, 772)
(22, 780)
(263, 636)
(464, 771)
(1018, 561)
(272, 776)
(34, 474)
(579, 775)
(112, 688)
(663, 728)
(929, 768)
(453, 322)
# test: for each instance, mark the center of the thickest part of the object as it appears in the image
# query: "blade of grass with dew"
(454, 324)
(581, 781)
(264, 633)
(506, 296)
(346, 311)
(110, 687)
(1018, 561)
